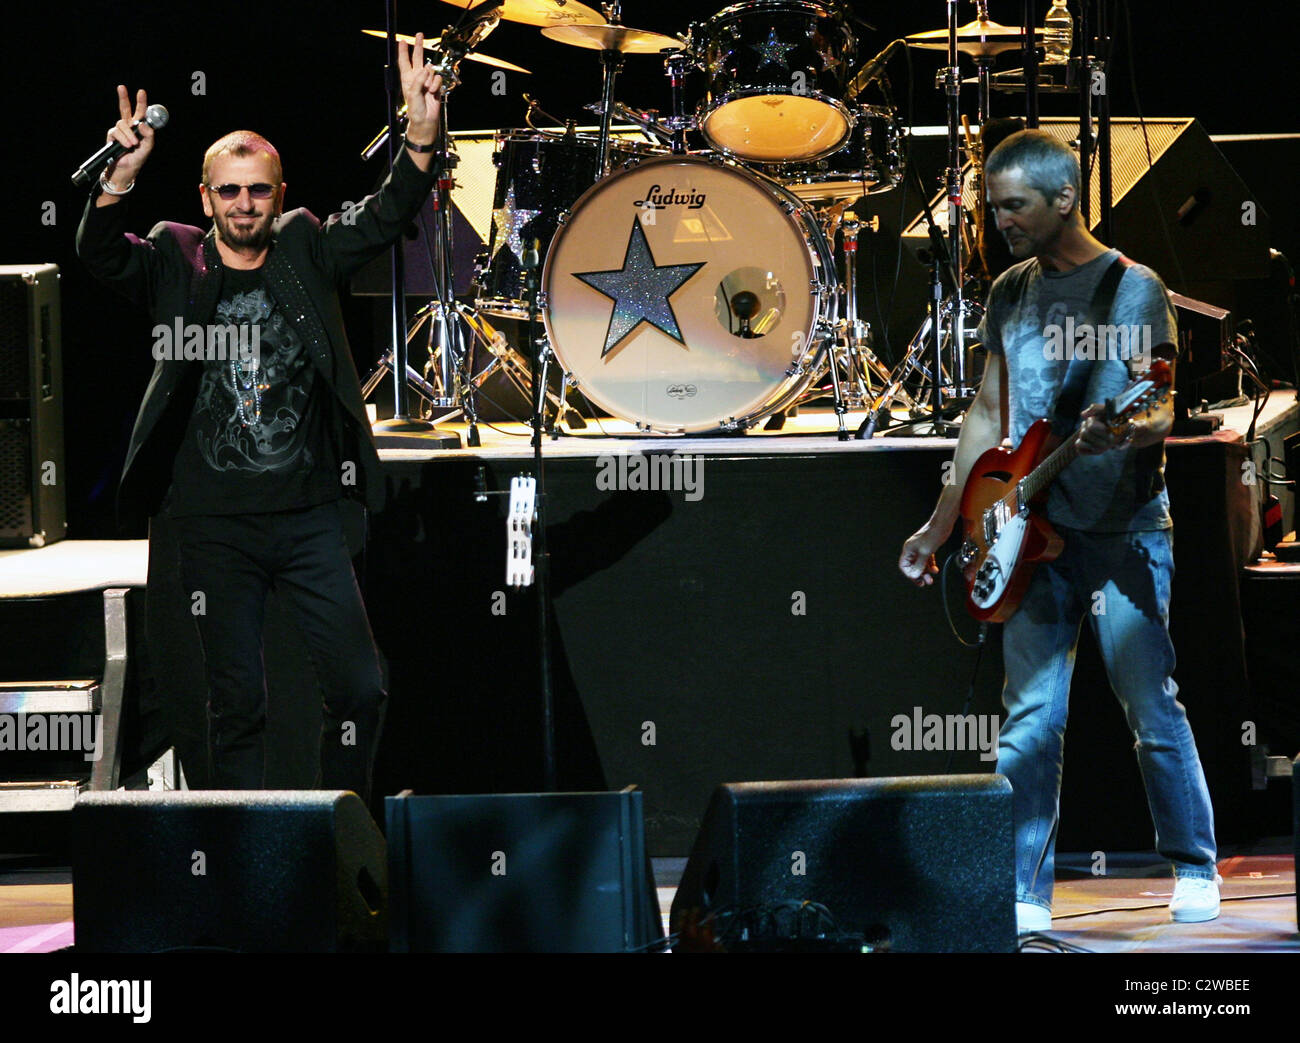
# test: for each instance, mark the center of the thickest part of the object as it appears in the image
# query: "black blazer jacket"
(176, 272)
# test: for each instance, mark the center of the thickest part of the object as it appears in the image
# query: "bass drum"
(688, 295)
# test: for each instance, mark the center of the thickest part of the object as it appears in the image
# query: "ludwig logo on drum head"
(680, 391)
(658, 199)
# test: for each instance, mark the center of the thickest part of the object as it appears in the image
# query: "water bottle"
(1058, 34)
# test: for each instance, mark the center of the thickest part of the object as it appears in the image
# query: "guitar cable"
(978, 644)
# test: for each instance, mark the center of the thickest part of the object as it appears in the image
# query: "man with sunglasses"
(248, 453)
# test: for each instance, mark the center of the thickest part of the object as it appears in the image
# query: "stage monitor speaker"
(1186, 213)
(1207, 370)
(910, 864)
(521, 872)
(230, 870)
(33, 482)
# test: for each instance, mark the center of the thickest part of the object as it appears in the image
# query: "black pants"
(229, 563)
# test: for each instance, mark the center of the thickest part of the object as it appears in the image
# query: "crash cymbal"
(540, 12)
(485, 59)
(614, 38)
(980, 38)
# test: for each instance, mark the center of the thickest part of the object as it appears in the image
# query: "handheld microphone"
(155, 116)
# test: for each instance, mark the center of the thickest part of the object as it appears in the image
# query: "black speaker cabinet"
(915, 864)
(33, 497)
(1295, 823)
(232, 870)
(521, 872)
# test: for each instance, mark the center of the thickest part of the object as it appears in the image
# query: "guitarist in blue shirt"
(1072, 323)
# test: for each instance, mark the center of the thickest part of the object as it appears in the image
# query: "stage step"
(55, 795)
(98, 620)
(80, 696)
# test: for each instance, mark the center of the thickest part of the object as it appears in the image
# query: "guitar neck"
(1045, 473)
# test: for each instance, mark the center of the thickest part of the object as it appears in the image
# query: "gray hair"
(1048, 164)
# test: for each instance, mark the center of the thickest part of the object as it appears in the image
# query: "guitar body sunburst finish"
(994, 477)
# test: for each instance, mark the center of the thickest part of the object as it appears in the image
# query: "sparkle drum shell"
(870, 162)
(539, 176)
(688, 295)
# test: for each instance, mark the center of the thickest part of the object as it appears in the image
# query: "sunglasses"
(260, 190)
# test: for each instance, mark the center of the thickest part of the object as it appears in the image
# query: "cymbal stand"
(611, 61)
(953, 184)
(403, 430)
(939, 333)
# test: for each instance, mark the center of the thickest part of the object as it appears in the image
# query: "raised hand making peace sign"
(122, 171)
(422, 91)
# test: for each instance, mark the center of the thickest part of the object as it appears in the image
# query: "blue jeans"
(1120, 583)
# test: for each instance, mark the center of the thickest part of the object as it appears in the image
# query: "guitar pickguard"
(994, 574)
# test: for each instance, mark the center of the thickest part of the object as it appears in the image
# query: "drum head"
(680, 294)
(776, 128)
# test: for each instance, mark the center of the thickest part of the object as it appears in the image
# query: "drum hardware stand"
(612, 61)
(945, 317)
(862, 361)
(675, 63)
(953, 183)
(1031, 67)
(538, 356)
(505, 358)
(949, 259)
(403, 430)
(851, 361)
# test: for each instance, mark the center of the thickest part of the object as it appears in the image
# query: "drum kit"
(702, 279)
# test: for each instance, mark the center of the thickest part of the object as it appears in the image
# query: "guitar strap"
(1065, 417)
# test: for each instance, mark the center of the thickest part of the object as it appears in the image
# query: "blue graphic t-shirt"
(1037, 318)
(257, 439)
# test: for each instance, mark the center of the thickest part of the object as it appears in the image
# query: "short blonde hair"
(242, 143)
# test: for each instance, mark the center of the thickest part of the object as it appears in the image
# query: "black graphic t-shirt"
(258, 437)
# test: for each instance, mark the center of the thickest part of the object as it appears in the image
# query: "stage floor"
(812, 429)
(1124, 912)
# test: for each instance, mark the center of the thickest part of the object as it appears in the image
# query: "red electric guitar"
(1002, 503)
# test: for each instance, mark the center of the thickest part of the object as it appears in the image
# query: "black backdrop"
(301, 73)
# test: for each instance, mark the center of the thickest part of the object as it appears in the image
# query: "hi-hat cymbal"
(614, 38)
(980, 38)
(485, 59)
(540, 12)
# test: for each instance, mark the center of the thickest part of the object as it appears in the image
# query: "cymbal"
(614, 38)
(485, 59)
(540, 12)
(980, 38)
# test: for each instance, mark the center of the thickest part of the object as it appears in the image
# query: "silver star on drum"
(772, 50)
(640, 291)
(509, 221)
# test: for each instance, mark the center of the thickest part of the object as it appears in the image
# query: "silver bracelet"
(108, 187)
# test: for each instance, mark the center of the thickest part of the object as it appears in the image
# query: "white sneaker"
(1031, 918)
(1195, 900)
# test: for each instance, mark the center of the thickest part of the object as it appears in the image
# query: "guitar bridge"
(995, 519)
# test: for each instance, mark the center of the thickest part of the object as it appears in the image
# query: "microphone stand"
(1031, 68)
(541, 560)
